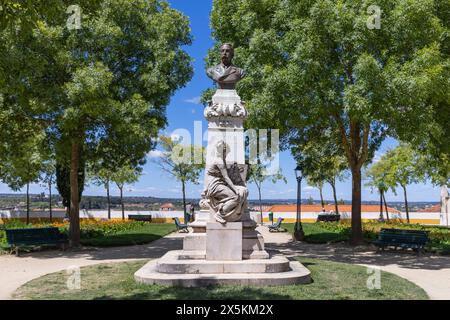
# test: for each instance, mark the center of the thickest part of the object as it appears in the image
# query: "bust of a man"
(226, 74)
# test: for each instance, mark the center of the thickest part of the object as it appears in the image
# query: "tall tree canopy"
(178, 160)
(101, 89)
(316, 66)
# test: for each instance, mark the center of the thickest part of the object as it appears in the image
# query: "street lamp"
(299, 235)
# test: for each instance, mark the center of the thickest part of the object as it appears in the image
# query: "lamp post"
(299, 235)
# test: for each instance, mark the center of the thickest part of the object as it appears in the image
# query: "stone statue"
(226, 74)
(445, 206)
(222, 195)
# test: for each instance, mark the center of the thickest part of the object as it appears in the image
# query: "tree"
(49, 178)
(320, 162)
(63, 182)
(24, 167)
(324, 65)
(377, 179)
(102, 177)
(126, 174)
(401, 165)
(178, 160)
(100, 89)
(258, 174)
(319, 185)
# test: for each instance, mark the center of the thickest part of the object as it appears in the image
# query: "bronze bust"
(226, 74)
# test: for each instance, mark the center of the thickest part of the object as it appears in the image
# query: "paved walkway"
(430, 272)
(16, 271)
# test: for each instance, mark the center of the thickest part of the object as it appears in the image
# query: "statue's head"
(226, 53)
(222, 149)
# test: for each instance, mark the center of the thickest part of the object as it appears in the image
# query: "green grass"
(315, 233)
(330, 232)
(331, 280)
(126, 234)
(139, 235)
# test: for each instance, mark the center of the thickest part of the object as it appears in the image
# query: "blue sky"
(185, 108)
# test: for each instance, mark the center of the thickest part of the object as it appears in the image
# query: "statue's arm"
(210, 72)
(227, 179)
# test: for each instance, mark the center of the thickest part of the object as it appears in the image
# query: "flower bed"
(131, 232)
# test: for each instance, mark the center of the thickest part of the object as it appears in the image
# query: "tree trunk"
(381, 204)
(74, 228)
(260, 206)
(357, 235)
(406, 203)
(28, 202)
(386, 207)
(321, 197)
(108, 199)
(336, 207)
(50, 200)
(121, 203)
(183, 187)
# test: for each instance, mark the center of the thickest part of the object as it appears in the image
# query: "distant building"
(434, 208)
(329, 207)
(166, 207)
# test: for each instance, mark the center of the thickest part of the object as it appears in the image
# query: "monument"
(445, 207)
(224, 247)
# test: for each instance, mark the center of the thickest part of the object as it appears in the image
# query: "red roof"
(328, 208)
(435, 208)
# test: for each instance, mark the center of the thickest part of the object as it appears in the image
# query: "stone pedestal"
(224, 241)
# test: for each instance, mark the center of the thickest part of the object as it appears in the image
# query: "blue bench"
(399, 238)
(181, 227)
(34, 237)
(140, 217)
(276, 227)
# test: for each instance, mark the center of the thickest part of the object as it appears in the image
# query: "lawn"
(331, 280)
(104, 233)
(330, 232)
(139, 234)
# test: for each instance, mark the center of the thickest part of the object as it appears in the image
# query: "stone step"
(297, 274)
(178, 262)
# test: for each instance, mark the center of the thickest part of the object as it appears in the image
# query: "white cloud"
(155, 154)
(309, 188)
(377, 156)
(194, 100)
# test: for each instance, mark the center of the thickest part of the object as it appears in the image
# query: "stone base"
(195, 242)
(191, 269)
(224, 241)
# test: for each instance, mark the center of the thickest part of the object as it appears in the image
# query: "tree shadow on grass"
(151, 250)
(343, 252)
(204, 293)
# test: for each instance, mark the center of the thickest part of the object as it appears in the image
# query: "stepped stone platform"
(178, 268)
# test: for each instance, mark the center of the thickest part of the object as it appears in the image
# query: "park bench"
(398, 238)
(276, 227)
(180, 226)
(35, 237)
(140, 217)
(328, 217)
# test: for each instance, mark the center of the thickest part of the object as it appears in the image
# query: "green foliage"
(329, 232)
(101, 89)
(315, 69)
(63, 181)
(180, 161)
(101, 233)
(126, 174)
